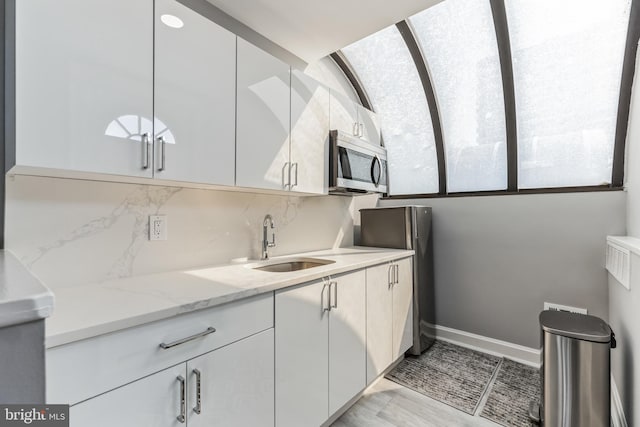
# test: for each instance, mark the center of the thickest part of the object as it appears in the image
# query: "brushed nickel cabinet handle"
(209, 330)
(295, 176)
(183, 399)
(390, 275)
(397, 273)
(145, 150)
(162, 142)
(328, 306)
(335, 297)
(198, 408)
(286, 175)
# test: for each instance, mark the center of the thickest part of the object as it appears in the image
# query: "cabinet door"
(236, 384)
(370, 126)
(153, 401)
(194, 97)
(403, 308)
(343, 113)
(309, 134)
(347, 336)
(379, 315)
(84, 84)
(302, 373)
(263, 95)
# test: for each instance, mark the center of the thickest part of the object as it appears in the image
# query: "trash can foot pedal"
(534, 411)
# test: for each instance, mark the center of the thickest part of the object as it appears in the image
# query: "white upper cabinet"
(194, 97)
(369, 125)
(110, 89)
(344, 114)
(84, 84)
(263, 109)
(352, 118)
(309, 134)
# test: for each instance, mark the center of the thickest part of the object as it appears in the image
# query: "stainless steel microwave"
(356, 166)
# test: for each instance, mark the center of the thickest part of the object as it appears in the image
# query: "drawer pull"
(209, 330)
(183, 400)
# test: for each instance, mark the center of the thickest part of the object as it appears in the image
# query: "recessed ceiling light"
(172, 21)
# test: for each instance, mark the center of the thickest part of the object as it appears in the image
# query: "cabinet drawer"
(80, 370)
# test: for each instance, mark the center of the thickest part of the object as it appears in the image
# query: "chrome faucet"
(266, 244)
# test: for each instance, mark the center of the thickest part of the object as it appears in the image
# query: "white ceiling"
(313, 29)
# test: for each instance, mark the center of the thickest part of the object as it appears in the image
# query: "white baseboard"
(526, 355)
(617, 413)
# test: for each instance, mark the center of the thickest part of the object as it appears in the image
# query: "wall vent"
(560, 307)
(618, 263)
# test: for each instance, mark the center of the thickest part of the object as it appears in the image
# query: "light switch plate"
(157, 227)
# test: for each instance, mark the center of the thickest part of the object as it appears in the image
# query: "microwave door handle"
(376, 179)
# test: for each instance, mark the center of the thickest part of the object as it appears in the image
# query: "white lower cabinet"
(235, 389)
(402, 323)
(320, 348)
(153, 401)
(236, 385)
(347, 340)
(389, 314)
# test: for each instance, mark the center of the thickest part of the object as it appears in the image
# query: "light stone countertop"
(90, 310)
(23, 298)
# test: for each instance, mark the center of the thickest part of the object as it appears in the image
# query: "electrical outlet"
(157, 227)
(560, 307)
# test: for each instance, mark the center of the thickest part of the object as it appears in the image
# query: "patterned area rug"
(515, 386)
(450, 374)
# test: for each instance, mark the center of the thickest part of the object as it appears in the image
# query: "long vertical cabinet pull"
(390, 275)
(328, 306)
(361, 130)
(162, 143)
(183, 399)
(295, 176)
(397, 274)
(198, 407)
(335, 295)
(286, 174)
(145, 150)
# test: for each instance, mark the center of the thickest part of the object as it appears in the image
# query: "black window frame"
(501, 28)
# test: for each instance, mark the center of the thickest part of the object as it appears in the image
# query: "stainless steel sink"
(291, 264)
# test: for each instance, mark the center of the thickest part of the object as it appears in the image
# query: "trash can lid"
(575, 325)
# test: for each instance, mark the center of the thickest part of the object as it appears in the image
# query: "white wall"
(624, 305)
(72, 232)
(499, 258)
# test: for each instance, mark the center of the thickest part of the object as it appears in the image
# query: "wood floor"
(388, 404)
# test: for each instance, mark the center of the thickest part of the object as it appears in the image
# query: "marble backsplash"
(73, 232)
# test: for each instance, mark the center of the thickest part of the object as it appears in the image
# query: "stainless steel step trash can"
(575, 371)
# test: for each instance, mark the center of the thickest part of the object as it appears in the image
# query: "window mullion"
(418, 58)
(506, 67)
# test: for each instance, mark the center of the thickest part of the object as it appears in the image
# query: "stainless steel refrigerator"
(407, 227)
